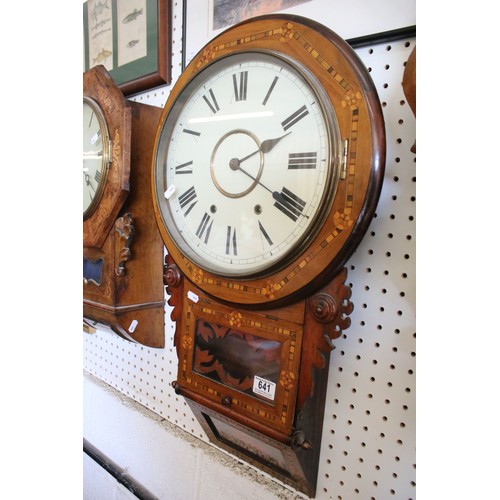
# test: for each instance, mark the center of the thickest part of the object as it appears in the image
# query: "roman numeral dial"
(240, 85)
(242, 162)
(188, 200)
(95, 155)
(294, 118)
(297, 161)
(289, 203)
(204, 228)
(231, 246)
(211, 101)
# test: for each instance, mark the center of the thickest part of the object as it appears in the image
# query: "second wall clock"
(122, 248)
(267, 169)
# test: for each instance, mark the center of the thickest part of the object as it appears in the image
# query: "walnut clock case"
(122, 248)
(267, 169)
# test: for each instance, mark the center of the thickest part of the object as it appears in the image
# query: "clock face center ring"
(236, 163)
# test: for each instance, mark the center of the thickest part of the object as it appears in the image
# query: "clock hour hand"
(265, 147)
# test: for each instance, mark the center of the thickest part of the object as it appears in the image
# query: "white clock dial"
(95, 155)
(245, 166)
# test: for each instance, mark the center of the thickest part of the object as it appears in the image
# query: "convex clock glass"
(96, 155)
(246, 164)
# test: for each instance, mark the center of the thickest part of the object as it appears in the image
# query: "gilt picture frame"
(131, 39)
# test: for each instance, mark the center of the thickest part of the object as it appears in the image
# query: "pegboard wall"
(368, 446)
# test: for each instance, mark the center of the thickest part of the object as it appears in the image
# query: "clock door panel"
(92, 271)
(242, 360)
(247, 363)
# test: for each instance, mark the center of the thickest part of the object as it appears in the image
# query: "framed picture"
(131, 39)
(204, 19)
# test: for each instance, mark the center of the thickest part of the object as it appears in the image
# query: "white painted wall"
(168, 461)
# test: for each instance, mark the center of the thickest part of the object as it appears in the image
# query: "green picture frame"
(132, 39)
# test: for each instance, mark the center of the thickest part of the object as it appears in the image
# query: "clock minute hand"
(284, 203)
(265, 147)
(238, 167)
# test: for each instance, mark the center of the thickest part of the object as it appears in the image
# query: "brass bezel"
(333, 176)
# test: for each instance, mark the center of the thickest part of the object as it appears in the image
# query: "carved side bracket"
(173, 281)
(327, 315)
(332, 309)
(124, 227)
(171, 276)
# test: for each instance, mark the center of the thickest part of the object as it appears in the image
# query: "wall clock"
(122, 248)
(267, 169)
(106, 143)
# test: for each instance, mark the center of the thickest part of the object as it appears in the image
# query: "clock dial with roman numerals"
(245, 166)
(95, 155)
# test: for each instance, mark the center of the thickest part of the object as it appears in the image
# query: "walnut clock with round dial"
(267, 169)
(122, 248)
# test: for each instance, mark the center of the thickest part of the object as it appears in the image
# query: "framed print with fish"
(131, 39)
